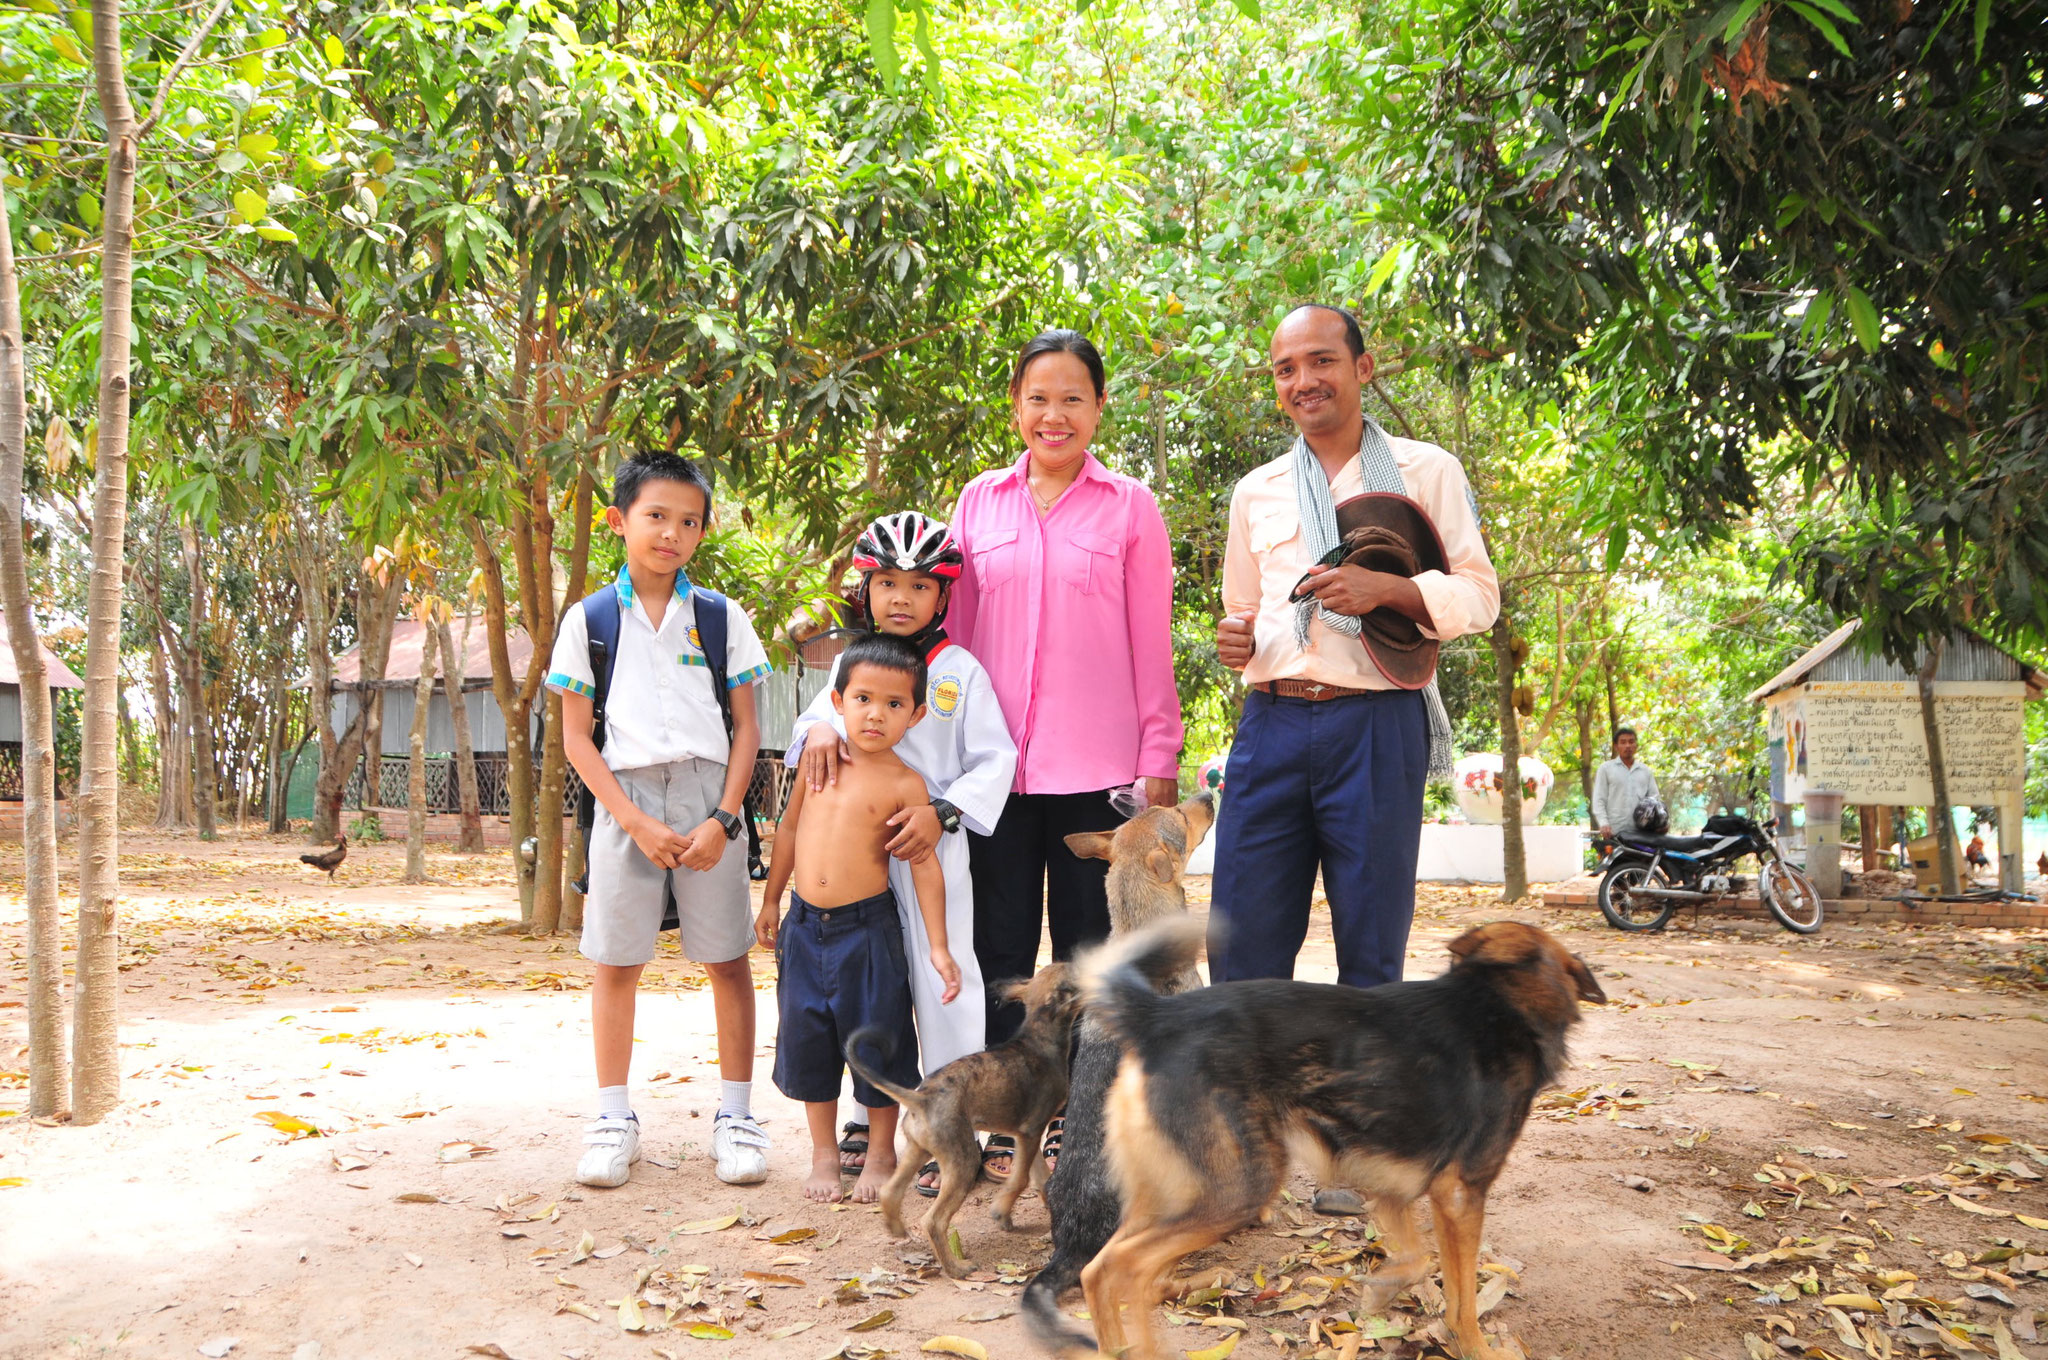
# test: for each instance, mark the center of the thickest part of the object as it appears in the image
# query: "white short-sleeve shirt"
(661, 708)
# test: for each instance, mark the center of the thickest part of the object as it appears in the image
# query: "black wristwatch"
(733, 825)
(949, 816)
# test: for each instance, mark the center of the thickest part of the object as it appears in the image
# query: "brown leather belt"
(1308, 689)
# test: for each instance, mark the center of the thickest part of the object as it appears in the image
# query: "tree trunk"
(416, 759)
(515, 703)
(38, 746)
(308, 555)
(172, 789)
(454, 676)
(198, 710)
(131, 740)
(277, 811)
(96, 1070)
(1944, 827)
(1582, 709)
(376, 610)
(1514, 862)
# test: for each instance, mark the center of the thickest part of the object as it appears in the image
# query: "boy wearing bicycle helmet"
(908, 563)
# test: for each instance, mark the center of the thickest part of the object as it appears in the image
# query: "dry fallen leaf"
(783, 1239)
(2040, 1224)
(490, 1348)
(463, 1152)
(781, 1281)
(419, 1197)
(1863, 1302)
(988, 1315)
(1983, 1209)
(869, 1324)
(582, 1310)
(583, 1248)
(782, 1332)
(287, 1124)
(1219, 1350)
(708, 1225)
(630, 1317)
(348, 1161)
(957, 1345)
(711, 1331)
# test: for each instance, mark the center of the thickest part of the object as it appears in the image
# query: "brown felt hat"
(1384, 531)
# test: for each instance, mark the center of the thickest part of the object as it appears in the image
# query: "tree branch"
(170, 80)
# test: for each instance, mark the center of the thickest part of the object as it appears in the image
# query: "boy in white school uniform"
(671, 786)
(963, 749)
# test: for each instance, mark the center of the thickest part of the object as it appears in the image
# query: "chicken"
(2042, 864)
(330, 860)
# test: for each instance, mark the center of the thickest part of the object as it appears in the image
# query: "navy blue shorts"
(839, 969)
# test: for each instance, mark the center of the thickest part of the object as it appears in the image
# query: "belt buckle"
(1314, 691)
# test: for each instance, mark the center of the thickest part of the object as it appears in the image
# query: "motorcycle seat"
(1688, 845)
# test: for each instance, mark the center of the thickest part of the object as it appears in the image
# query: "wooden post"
(1866, 818)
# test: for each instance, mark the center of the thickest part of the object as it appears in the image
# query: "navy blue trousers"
(1335, 784)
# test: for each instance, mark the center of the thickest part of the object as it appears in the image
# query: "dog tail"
(885, 1043)
(1050, 1327)
(1119, 980)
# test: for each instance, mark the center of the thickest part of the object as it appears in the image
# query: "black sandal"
(999, 1145)
(856, 1143)
(1053, 1134)
(928, 1191)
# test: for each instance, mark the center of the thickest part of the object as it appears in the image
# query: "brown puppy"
(1401, 1091)
(1014, 1088)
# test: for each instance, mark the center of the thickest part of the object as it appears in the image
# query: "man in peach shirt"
(1331, 757)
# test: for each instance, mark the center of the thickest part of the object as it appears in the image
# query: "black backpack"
(601, 614)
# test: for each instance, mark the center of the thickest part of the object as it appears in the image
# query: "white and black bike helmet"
(906, 541)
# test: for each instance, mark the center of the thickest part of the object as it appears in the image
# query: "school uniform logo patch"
(696, 640)
(944, 697)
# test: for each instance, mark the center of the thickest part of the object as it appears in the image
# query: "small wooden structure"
(1847, 722)
(60, 677)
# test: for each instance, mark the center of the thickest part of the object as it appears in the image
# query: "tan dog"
(1403, 1091)
(1014, 1088)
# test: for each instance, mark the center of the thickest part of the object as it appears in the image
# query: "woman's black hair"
(887, 652)
(654, 465)
(1060, 342)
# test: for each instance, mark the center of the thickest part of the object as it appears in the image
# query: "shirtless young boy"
(839, 952)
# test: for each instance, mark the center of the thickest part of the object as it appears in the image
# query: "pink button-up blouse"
(1072, 614)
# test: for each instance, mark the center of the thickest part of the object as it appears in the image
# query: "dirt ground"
(1767, 1145)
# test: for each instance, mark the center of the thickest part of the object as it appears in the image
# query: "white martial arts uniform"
(962, 747)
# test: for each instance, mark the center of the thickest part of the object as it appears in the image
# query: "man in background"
(1621, 783)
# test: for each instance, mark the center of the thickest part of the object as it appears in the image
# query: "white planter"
(1476, 782)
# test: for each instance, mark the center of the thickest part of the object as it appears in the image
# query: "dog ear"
(1012, 991)
(1589, 988)
(1091, 844)
(1501, 948)
(1162, 864)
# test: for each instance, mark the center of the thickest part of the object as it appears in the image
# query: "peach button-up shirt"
(1265, 556)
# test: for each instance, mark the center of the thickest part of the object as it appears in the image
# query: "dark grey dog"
(1146, 856)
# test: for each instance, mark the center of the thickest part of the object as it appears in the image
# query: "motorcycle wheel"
(1791, 897)
(1627, 909)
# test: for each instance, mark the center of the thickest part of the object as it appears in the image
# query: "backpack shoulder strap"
(601, 625)
(713, 635)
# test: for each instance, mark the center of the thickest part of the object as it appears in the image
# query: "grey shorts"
(622, 914)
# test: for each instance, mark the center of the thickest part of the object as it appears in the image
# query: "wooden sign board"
(1867, 740)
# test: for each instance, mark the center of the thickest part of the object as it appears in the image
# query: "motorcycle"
(1647, 877)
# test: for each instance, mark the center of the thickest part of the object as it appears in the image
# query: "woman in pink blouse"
(1067, 599)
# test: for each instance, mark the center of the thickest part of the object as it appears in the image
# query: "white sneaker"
(610, 1147)
(741, 1149)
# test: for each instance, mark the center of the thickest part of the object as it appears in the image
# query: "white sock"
(735, 1097)
(612, 1103)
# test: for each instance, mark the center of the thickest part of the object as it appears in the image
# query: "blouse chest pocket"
(995, 558)
(1094, 561)
(1272, 527)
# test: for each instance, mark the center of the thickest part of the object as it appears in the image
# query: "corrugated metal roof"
(408, 638)
(1966, 657)
(61, 675)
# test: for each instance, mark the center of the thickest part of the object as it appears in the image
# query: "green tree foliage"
(1749, 240)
